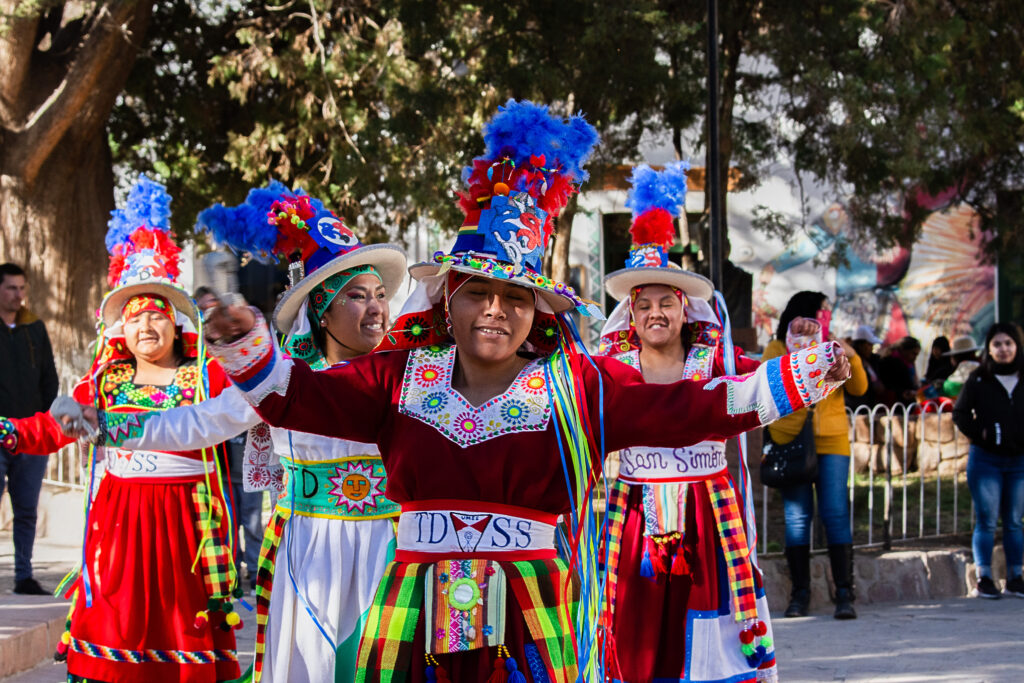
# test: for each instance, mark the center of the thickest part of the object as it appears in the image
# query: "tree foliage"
(902, 100)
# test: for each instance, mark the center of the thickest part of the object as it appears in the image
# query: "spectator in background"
(990, 412)
(28, 385)
(898, 373)
(832, 441)
(940, 365)
(964, 354)
(248, 504)
(863, 341)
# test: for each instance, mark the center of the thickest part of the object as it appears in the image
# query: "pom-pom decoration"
(148, 205)
(654, 227)
(528, 151)
(664, 189)
(145, 253)
(275, 222)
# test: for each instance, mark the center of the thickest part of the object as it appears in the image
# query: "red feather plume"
(168, 253)
(653, 227)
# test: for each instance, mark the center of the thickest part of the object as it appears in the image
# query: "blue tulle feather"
(148, 205)
(522, 129)
(665, 189)
(245, 227)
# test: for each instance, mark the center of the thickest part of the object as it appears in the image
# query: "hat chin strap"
(340, 343)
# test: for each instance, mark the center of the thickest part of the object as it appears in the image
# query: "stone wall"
(895, 576)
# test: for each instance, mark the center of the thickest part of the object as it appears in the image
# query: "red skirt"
(140, 547)
(649, 624)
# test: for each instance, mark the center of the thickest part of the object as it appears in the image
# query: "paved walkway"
(962, 639)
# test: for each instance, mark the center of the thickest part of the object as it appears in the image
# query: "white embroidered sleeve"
(781, 385)
(255, 363)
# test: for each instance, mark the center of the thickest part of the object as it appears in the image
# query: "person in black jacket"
(28, 385)
(990, 412)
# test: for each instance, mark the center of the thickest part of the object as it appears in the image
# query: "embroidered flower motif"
(535, 385)
(435, 350)
(467, 423)
(489, 571)
(443, 578)
(429, 374)
(488, 629)
(439, 633)
(435, 403)
(514, 412)
(415, 329)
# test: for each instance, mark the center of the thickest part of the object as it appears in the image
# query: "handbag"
(792, 463)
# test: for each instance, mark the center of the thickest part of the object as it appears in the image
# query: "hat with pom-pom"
(144, 258)
(277, 223)
(533, 164)
(656, 198)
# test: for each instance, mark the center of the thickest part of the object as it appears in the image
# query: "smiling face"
(150, 336)
(491, 319)
(358, 314)
(658, 316)
(1002, 348)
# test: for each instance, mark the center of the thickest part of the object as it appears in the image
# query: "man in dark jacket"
(28, 384)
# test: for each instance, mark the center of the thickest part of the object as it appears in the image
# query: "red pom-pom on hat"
(654, 227)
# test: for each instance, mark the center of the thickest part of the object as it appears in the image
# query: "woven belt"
(647, 465)
(347, 488)
(429, 531)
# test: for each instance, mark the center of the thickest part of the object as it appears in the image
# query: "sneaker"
(986, 589)
(1015, 587)
(29, 587)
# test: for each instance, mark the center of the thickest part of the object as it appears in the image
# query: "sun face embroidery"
(355, 487)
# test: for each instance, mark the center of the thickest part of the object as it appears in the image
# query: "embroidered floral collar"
(427, 396)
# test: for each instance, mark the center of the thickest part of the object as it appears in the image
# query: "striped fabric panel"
(264, 584)
(729, 520)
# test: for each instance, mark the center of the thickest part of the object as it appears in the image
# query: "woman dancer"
(678, 609)
(332, 531)
(152, 601)
(483, 425)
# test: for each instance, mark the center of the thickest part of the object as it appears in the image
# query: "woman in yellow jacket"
(832, 441)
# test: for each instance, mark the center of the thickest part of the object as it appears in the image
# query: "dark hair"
(908, 343)
(941, 343)
(801, 305)
(988, 364)
(10, 269)
(201, 291)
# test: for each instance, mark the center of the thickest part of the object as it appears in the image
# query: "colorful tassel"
(514, 674)
(679, 565)
(646, 568)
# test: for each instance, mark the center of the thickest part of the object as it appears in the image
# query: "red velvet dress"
(653, 616)
(438, 449)
(142, 539)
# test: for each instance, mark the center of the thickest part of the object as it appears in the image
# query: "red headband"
(146, 302)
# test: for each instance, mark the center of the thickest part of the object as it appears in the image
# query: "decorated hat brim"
(388, 259)
(558, 303)
(621, 282)
(114, 301)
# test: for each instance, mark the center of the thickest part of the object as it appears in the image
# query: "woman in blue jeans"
(832, 443)
(990, 412)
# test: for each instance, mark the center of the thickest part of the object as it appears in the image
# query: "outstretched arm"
(349, 401)
(687, 412)
(184, 428)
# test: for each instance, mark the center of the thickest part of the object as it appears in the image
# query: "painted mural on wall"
(939, 286)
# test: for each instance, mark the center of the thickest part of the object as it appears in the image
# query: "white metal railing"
(913, 436)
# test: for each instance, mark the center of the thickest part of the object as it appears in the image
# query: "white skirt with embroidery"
(336, 565)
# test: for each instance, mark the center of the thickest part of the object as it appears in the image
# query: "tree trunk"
(60, 73)
(55, 231)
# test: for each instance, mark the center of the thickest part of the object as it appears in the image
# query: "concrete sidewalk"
(31, 626)
(964, 639)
